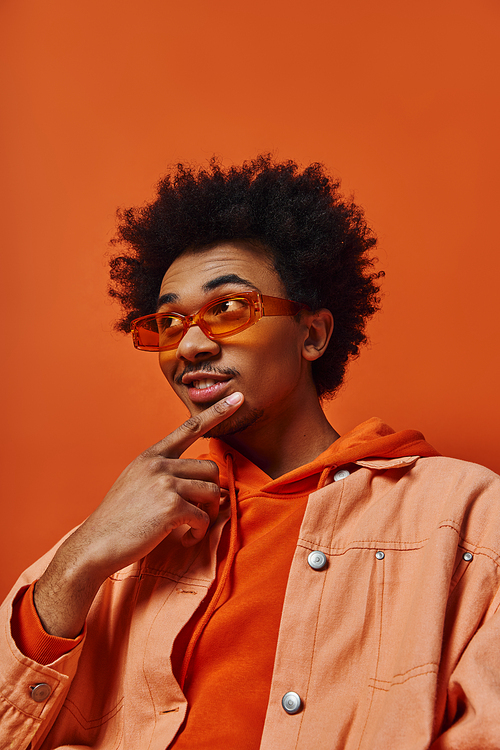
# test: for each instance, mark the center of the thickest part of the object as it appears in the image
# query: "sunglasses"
(221, 317)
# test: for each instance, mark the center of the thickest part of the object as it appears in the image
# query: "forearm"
(65, 592)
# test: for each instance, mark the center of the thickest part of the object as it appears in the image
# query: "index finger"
(195, 427)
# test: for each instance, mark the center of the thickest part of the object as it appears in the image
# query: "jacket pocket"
(80, 725)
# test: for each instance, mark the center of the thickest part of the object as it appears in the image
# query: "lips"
(202, 389)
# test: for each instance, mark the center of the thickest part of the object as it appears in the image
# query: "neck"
(291, 439)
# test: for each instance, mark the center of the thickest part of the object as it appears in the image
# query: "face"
(263, 361)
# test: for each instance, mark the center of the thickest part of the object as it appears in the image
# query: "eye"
(167, 322)
(228, 307)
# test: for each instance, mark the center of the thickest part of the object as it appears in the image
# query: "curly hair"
(318, 240)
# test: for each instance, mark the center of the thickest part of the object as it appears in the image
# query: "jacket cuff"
(32, 693)
(31, 638)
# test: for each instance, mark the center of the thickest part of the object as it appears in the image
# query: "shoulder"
(456, 474)
(457, 495)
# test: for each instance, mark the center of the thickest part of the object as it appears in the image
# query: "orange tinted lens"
(227, 315)
(158, 332)
(146, 333)
(170, 330)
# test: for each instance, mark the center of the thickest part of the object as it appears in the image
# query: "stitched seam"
(413, 669)
(400, 682)
(37, 719)
(357, 544)
(176, 577)
(376, 544)
(373, 541)
(187, 579)
(312, 659)
(378, 651)
(338, 509)
(144, 671)
(69, 705)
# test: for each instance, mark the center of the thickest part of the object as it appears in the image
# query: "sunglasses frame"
(261, 305)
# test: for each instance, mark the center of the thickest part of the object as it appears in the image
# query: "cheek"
(167, 366)
(271, 336)
(271, 355)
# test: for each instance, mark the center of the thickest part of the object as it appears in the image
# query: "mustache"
(206, 369)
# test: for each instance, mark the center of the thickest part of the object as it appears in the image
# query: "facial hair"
(235, 423)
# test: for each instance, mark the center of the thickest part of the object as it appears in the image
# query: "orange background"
(99, 97)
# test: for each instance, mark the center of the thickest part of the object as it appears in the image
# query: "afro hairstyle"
(318, 240)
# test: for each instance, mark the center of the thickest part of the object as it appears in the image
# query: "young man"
(293, 588)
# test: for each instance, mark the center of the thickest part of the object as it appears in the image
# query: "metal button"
(467, 556)
(317, 560)
(292, 703)
(40, 692)
(380, 555)
(341, 474)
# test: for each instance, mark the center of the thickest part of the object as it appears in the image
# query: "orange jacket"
(393, 643)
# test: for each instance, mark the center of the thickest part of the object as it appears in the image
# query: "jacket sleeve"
(473, 707)
(31, 694)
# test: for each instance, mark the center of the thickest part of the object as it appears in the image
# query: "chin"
(235, 424)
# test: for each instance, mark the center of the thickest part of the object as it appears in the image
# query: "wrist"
(64, 595)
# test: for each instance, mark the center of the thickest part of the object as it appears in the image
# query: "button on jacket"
(393, 642)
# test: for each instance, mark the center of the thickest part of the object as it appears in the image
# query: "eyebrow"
(209, 286)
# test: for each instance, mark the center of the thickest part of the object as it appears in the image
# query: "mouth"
(203, 390)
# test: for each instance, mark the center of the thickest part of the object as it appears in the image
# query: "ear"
(320, 328)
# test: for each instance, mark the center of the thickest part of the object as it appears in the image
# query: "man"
(293, 588)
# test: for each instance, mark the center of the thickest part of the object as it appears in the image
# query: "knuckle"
(198, 484)
(169, 465)
(205, 486)
(168, 483)
(186, 513)
(192, 425)
(204, 519)
(220, 407)
(211, 469)
(156, 464)
(198, 513)
(177, 505)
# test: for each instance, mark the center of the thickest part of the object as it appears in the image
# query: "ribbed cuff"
(29, 635)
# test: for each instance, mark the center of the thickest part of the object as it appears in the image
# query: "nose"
(195, 345)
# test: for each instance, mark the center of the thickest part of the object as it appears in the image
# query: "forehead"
(189, 276)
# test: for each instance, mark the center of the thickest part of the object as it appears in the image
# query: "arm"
(156, 493)
(473, 705)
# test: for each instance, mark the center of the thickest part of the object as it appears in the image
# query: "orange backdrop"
(99, 97)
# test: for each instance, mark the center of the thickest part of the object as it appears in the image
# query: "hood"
(370, 440)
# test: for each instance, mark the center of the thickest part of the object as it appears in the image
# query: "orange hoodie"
(232, 642)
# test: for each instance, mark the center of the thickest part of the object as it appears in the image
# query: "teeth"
(201, 384)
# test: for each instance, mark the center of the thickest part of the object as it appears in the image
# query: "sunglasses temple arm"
(275, 306)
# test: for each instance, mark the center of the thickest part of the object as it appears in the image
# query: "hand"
(155, 494)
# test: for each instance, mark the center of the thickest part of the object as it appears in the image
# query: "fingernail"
(234, 398)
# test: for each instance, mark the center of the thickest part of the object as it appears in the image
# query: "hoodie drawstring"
(233, 548)
(324, 476)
